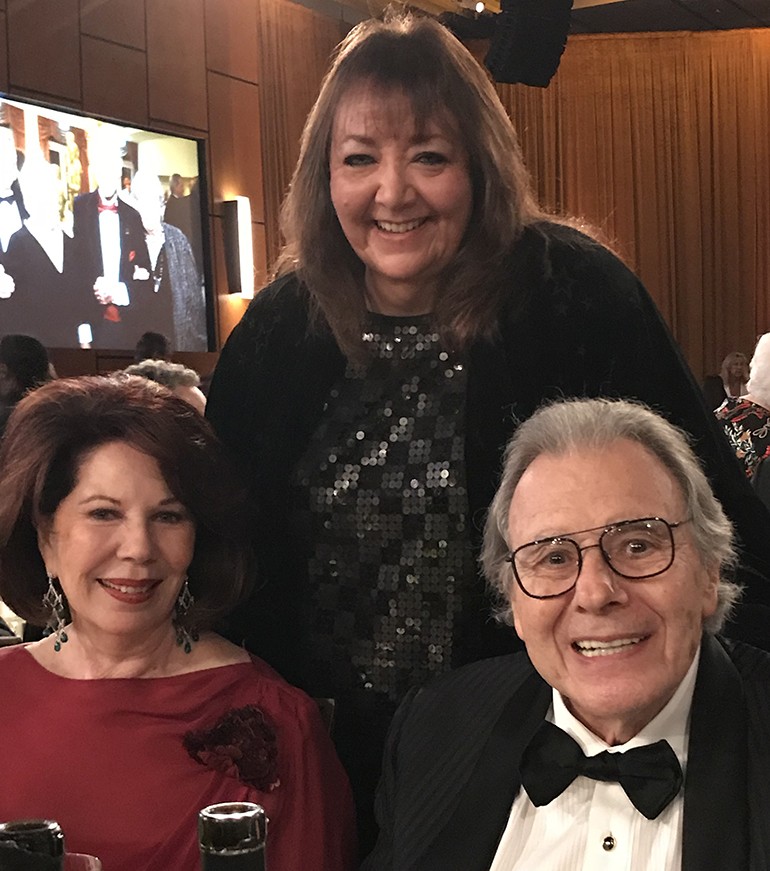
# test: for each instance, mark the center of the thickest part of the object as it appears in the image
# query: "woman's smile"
(133, 592)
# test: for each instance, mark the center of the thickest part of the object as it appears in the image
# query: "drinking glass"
(81, 862)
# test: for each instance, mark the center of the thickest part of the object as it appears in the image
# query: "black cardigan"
(577, 323)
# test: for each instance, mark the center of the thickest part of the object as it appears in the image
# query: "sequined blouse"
(380, 498)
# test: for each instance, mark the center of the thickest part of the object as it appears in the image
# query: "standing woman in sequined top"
(423, 304)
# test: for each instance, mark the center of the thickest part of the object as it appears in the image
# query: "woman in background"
(117, 529)
(746, 418)
(731, 381)
(424, 305)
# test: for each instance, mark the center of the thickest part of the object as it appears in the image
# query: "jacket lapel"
(715, 829)
(715, 832)
(469, 839)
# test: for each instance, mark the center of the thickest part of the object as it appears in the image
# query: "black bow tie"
(651, 776)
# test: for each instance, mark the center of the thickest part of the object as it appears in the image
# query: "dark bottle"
(232, 837)
(31, 845)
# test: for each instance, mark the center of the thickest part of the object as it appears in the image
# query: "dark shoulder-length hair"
(48, 435)
(417, 58)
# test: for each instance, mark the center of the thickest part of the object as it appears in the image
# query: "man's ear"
(711, 592)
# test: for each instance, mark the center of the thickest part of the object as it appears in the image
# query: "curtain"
(295, 48)
(661, 141)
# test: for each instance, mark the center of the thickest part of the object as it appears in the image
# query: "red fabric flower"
(131, 256)
(243, 745)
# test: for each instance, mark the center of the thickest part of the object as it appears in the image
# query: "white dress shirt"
(592, 824)
(109, 238)
(50, 239)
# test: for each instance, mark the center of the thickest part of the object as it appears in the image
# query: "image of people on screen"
(183, 210)
(86, 256)
(39, 263)
(176, 279)
(114, 288)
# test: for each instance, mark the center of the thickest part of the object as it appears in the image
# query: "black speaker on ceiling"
(528, 40)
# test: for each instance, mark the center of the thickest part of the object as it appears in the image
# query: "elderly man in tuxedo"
(629, 735)
(115, 297)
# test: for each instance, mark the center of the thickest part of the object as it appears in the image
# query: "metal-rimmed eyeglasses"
(634, 549)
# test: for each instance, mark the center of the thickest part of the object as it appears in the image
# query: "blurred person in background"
(746, 418)
(152, 346)
(181, 381)
(731, 381)
(24, 365)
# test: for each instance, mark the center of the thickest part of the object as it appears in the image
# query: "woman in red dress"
(130, 716)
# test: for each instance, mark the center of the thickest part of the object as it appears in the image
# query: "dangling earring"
(185, 637)
(54, 601)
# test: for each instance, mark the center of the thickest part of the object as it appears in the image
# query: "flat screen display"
(101, 232)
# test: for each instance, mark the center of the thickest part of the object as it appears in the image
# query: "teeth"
(605, 648)
(128, 590)
(405, 227)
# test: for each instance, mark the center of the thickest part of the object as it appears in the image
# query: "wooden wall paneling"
(44, 46)
(202, 361)
(120, 21)
(260, 255)
(176, 61)
(45, 97)
(3, 51)
(114, 81)
(230, 307)
(235, 142)
(70, 362)
(232, 44)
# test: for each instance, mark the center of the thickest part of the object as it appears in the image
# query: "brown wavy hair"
(416, 58)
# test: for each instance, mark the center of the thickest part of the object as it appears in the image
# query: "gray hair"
(759, 380)
(595, 424)
(171, 375)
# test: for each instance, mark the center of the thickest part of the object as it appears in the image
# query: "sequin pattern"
(383, 485)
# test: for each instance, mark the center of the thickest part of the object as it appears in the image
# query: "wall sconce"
(239, 248)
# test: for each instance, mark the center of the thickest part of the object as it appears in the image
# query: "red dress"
(108, 760)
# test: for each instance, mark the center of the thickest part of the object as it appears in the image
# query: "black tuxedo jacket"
(89, 266)
(451, 765)
(42, 304)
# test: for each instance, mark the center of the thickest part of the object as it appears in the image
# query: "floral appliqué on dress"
(243, 745)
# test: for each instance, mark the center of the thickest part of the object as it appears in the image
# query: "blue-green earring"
(54, 601)
(185, 637)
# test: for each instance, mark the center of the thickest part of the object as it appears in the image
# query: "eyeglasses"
(634, 549)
